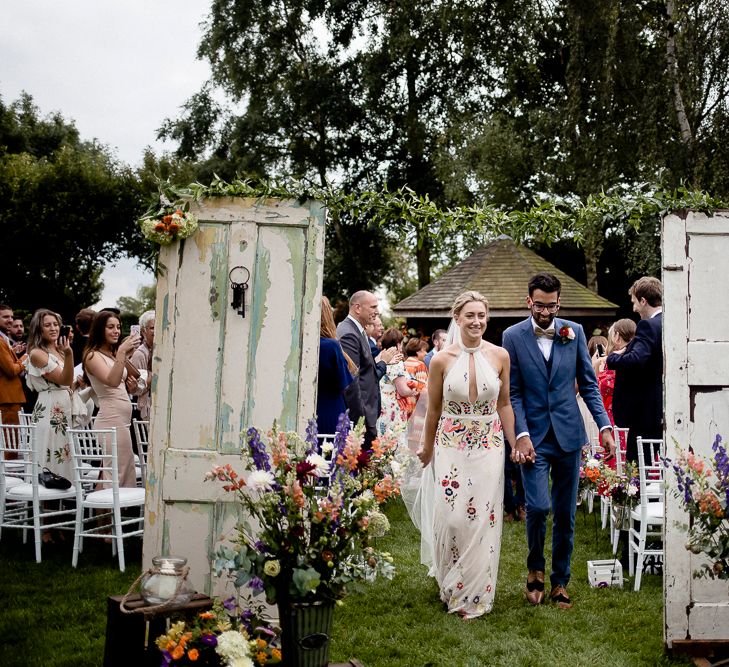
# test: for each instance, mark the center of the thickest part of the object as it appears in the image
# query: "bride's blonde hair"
(466, 297)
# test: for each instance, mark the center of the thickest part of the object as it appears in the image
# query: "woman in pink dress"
(104, 363)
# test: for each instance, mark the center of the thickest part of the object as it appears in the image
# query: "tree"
(66, 208)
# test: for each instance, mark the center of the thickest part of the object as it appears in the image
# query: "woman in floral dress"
(50, 372)
(468, 402)
(393, 386)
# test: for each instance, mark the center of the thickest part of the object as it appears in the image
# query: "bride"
(469, 414)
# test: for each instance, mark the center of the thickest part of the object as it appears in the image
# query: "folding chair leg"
(119, 538)
(37, 534)
(78, 529)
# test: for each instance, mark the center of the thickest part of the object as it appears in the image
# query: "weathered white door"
(696, 343)
(216, 372)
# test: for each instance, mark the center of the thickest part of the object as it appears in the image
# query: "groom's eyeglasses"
(549, 307)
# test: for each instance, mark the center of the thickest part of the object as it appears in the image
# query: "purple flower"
(209, 640)
(166, 658)
(311, 433)
(340, 434)
(262, 547)
(256, 584)
(230, 603)
(258, 450)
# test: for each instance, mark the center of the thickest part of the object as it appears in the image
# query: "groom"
(548, 356)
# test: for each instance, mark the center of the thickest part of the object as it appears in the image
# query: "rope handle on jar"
(154, 608)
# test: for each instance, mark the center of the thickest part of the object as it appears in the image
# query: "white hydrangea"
(260, 480)
(234, 649)
(321, 465)
(327, 447)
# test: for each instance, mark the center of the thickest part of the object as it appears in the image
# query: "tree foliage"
(66, 207)
(465, 103)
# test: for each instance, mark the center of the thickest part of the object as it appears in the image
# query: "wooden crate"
(130, 637)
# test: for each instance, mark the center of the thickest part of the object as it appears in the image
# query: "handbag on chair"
(50, 480)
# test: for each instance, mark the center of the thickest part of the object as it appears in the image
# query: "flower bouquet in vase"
(591, 472)
(312, 513)
(703, 488)
(623, 489)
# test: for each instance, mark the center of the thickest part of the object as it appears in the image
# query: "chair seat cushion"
(25, 492)
(128, 496)
(12, 481)
(655, 512)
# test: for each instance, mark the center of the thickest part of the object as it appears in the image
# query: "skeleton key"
(239, 290)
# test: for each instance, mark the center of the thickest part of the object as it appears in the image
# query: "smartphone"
(134, 330)
(600, 350)
(65, 331)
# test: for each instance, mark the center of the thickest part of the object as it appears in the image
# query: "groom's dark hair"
(545, 282)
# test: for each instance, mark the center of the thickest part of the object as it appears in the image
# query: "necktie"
(546, 333)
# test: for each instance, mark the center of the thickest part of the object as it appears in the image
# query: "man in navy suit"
(548, 356)
(638, 393)
(363, 310)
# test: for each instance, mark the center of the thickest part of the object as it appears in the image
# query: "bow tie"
(546, 333)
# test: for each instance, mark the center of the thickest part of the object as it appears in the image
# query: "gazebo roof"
(501, 271)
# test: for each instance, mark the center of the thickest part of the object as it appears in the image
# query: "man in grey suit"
(363, 310)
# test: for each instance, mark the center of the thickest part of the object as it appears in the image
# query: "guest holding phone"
(105, 364)
(49, 371)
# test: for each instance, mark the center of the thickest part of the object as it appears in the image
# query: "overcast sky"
(117, 68)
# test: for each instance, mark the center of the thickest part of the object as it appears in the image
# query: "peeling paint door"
(696, 343)
(216, 372)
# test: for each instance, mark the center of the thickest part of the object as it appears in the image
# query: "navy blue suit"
(545, 404)
(366, 401)
(638, 392)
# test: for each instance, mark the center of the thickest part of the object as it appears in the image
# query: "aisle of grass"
(403, 624)
(54, 616)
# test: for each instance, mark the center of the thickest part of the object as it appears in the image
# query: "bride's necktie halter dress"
(468, 467)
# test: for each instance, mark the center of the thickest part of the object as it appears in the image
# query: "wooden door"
(215, 373)
(696, 344)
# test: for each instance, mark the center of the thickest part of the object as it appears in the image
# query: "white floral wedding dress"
(469, 488)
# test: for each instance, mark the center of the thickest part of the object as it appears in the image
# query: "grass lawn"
(53, 615)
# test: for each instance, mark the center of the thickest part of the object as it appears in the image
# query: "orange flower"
(167, 219)
(276, 654)
(177, 653)
(593, 474)
(206, 614)
(385, 488)
(261, 658)
(174, 227)
(179, 212)
(170, 646)
(193, 654)
(261, 643)
(160, 227)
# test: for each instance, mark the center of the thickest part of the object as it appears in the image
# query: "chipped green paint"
(258, 311)
(227, 429)
(165, 317)
(165, 535)
(242, 246)
(314, 264)
(296, 240)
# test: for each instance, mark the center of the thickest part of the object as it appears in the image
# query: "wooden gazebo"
(501, 271)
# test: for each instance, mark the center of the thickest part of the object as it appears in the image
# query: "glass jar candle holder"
(167, 582)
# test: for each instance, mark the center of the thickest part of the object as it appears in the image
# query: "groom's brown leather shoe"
(560, 598)
(535, 587)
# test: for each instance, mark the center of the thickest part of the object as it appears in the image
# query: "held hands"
(19, 348)
(523, 451)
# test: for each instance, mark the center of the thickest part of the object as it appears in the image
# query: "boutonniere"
(566, 334)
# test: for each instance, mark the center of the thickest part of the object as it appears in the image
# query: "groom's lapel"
(557, 348)
(530, 342)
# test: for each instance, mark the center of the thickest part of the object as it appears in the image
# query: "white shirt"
(544, 343)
